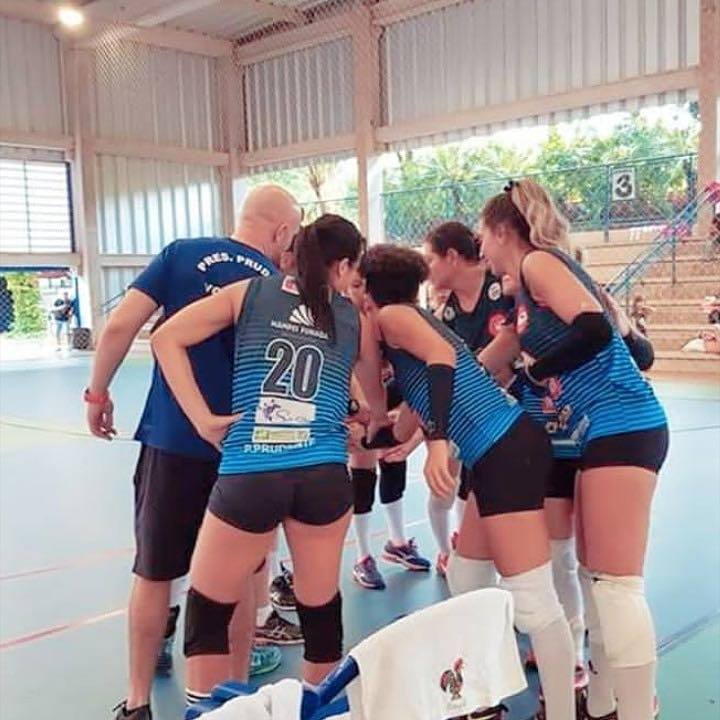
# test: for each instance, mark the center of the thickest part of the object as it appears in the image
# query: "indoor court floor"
(66, 550)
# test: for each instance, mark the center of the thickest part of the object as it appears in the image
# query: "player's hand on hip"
(214, 428)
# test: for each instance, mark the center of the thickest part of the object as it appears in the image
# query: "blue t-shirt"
(186, 271)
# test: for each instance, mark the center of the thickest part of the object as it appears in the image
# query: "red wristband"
(93, 399)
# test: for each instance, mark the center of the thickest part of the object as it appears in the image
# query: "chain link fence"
(632, 194)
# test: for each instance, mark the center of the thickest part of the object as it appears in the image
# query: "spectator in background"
(7, 307)
(63, 311)
(639, 313)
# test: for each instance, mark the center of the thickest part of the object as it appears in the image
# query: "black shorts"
(512, 476)
(643, 448)
(465, 481)
(561, 483)
(171, 495)
(259, 502)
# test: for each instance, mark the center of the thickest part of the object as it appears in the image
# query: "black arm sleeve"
(440, 388)
(590, 332)
(641, 350)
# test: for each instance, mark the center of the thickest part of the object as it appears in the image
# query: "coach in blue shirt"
(176, 468)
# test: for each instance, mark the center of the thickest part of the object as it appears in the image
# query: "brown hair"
(393, 274)
(454, 236)
(527, 208)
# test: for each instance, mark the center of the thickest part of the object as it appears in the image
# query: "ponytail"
(329, 239)
(527, 208)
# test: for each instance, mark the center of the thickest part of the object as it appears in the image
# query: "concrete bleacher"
(674, 287)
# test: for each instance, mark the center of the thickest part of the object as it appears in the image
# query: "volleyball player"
(284, 453)
(463, 411)
(474, 309)
(594, 398)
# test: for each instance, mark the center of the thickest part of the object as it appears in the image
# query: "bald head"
(269, 219)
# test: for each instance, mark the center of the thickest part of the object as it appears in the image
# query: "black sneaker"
(282, 594)
(141, 713)
(278, 631)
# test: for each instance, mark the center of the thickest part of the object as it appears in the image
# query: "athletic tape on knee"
(465, 575)
(206, 625)
(392, 481)
(363, 481)
(627, 626)
(322, 630)
(535, 598)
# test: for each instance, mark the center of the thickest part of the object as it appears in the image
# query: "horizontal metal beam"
(29, 138)
(539, 106)
(296, 151)
(39, 260)
(391, 11)
(153, 151)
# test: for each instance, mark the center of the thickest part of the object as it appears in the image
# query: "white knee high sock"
(601, 694)
(362, 534)
(394, 517)
(539, 614)
(439, 515)
(459, 511)
(554, 653)
(567, 585)
(635, 690)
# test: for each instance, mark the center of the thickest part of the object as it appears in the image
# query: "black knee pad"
(322, 630)
(363, 489)
(392, 481)
(206, 625)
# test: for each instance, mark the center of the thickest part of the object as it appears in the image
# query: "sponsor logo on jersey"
(448, 314)
(290, 285)
(522, 320)
(495, 323)
(495, 291)
(279, 436)
(301, 315)
(281, 411)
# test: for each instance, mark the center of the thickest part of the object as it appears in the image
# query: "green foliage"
(454, 183)
(29, 314)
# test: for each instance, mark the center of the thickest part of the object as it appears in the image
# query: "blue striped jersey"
(290, 380)
(481, 412)
(606, 396)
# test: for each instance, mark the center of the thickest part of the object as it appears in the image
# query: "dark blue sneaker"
(406, 555)
(366, 574)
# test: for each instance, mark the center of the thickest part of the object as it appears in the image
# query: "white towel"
(441, 662)
(271, 702)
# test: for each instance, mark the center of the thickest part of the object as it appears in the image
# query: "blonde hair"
(526, 206)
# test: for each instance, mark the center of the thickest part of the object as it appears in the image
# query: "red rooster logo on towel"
(452, 680)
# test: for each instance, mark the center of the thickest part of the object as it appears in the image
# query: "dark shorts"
(512, 476)
(643, 448)
(561, 483)
(465, 481)
(171, 495)
(259, 502)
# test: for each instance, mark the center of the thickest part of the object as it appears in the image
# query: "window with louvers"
(35, 209)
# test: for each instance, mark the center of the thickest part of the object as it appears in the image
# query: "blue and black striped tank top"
(290, 380)
(481, 412)
(605, 396)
